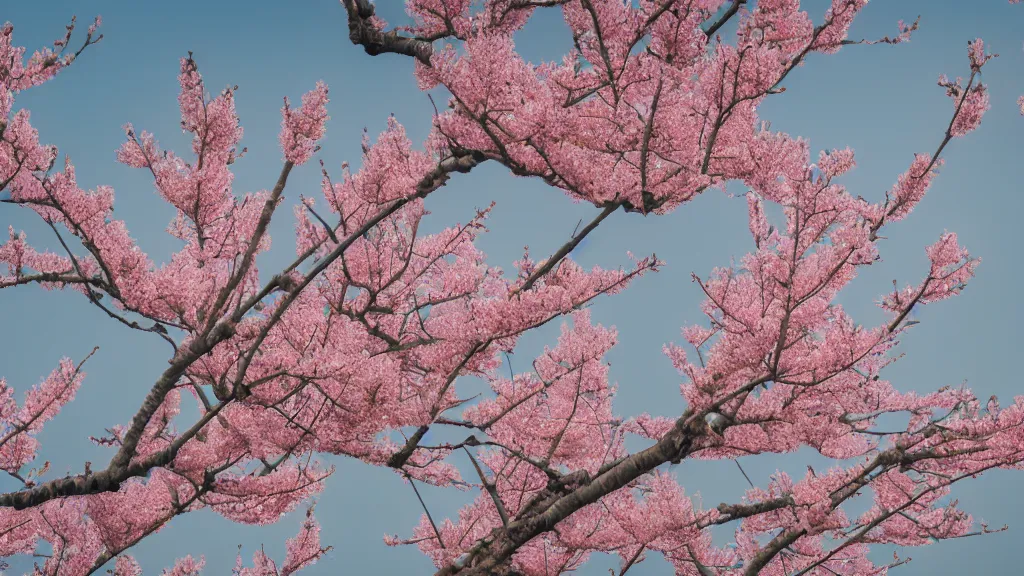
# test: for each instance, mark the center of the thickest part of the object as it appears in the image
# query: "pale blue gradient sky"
(880, 100)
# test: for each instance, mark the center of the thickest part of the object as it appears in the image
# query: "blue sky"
(880, 100)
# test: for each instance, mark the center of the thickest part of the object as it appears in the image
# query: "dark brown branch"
(729, 13)
(433, 525)
(269, 206)
(566, 248)
(362, 32)
(491, 489)
(108, 480)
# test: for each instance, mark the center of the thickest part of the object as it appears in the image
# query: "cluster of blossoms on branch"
(355, 348)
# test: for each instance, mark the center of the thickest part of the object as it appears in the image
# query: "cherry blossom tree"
(357, 347)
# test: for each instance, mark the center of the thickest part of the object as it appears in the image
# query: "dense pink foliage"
(356, 347)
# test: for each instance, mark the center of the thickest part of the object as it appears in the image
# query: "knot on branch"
(398, 459)
(285, 282)
(680, 440)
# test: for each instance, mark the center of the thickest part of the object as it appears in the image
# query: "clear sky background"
(880, 100)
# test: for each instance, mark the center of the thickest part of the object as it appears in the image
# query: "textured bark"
(375, 42)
